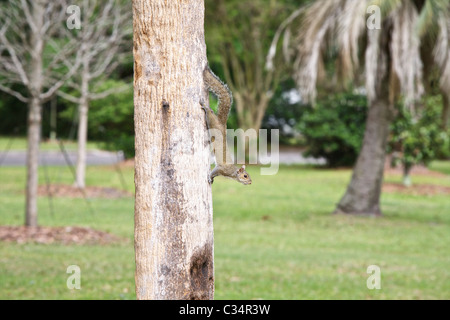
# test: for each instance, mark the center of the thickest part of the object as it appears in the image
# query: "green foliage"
(13, 115)
(420, 139)
(111, 119)
(283, 113)
(245, 27)
(238, 35)
(334, 128)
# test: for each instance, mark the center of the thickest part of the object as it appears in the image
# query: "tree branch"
(18, 65)
(14, 93)
(45, 96)
(29, 16)
(68, 97)
(104, 94)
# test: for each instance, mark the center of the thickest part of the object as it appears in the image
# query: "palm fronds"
(341, 25)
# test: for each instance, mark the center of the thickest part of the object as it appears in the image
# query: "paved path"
(292, 157)
(15, 158)
(100, 157)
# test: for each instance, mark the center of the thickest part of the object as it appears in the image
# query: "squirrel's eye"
(245, 176)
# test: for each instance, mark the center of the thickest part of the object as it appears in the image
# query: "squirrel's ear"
(242, 169)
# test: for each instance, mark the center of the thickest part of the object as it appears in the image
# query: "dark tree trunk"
(363, 192)
(445, 110)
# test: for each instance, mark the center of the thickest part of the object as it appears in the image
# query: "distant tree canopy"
(238, 37)
(334, 130)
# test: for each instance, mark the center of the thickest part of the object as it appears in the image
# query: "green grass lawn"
(441, 166)
(20, 143)
(275, 239)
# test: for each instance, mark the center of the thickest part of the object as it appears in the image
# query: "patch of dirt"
(128, 163)
(61, 235)
(419, 189)
(415, 171)
(414, 189)
(419, 170)
(59, 190)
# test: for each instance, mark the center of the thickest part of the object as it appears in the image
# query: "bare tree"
(104, 36)
(33, 66)
(173, 203)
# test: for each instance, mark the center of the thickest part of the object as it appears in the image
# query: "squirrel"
(218, 124)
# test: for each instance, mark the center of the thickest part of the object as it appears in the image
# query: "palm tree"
(395, 60)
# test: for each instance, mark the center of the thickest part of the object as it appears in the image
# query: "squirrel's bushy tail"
(222, 92)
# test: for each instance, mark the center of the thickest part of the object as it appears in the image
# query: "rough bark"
(173, 201)
(363, 193)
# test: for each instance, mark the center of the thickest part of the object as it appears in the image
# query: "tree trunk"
(33, 140)
(34, 118)
(363, 192)
(445, 109)
(53, 118)
(80, 180)
(249, 118)
(173, 200)
(407, 175)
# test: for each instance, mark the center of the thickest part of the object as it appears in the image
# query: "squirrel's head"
(243, 176)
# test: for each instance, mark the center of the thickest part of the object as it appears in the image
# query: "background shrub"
(334, 128)
(419, 139)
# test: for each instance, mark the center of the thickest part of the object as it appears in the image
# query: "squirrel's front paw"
(211, 180)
